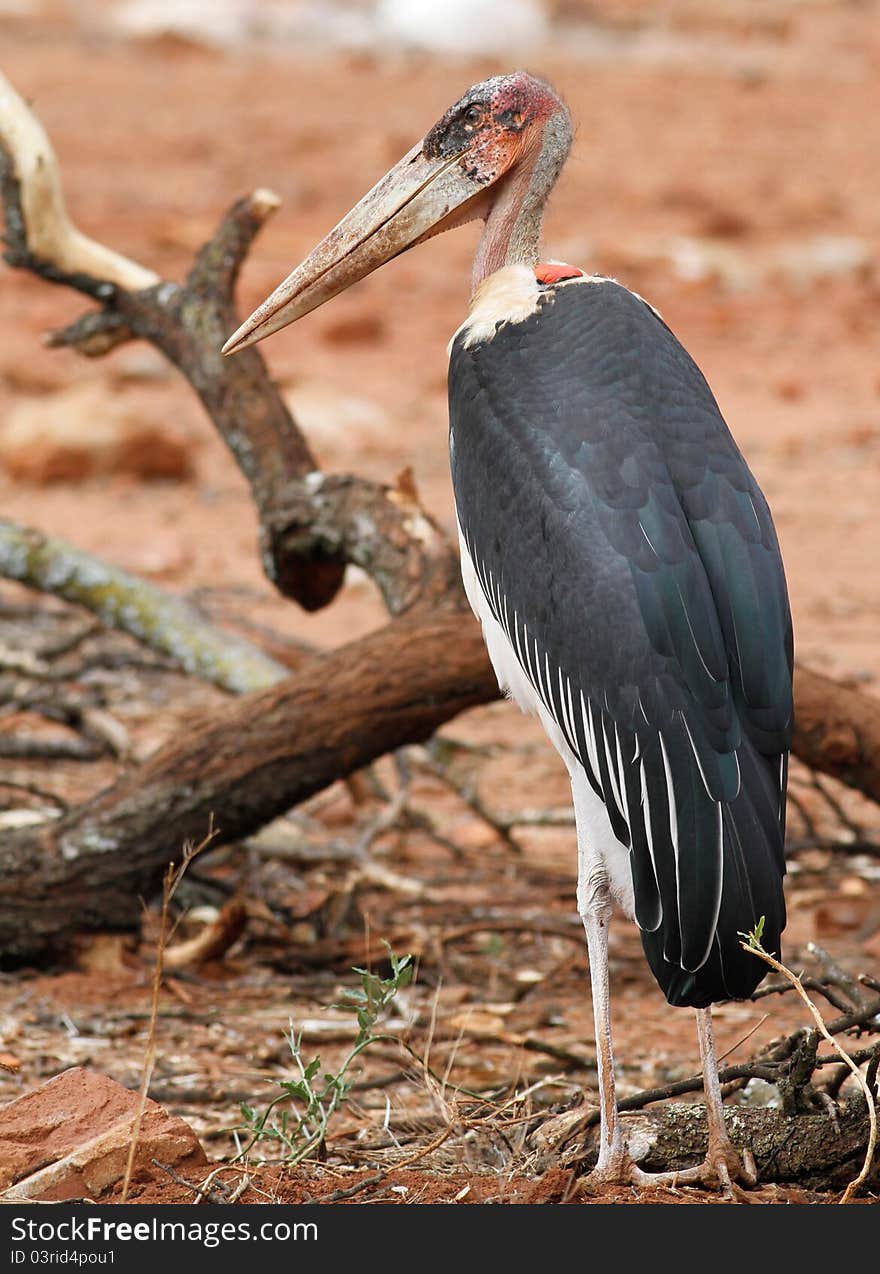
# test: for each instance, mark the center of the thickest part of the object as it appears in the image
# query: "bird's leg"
(614, 1163)
(722, 1157)
(723, 1166)
(615, 1166)
(594, 908)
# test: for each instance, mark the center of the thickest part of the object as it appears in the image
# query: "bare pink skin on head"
(493, 124)
(493, 156)
(513, 133)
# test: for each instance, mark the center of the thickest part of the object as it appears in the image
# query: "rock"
(70, 1139)
(797, 263)
(335, 421)
(163, 556)
(84, 432)
(359, 325)
(462, 26)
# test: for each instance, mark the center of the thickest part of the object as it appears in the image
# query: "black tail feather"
(753, 868)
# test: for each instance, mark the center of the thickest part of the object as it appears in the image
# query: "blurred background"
(725, 167)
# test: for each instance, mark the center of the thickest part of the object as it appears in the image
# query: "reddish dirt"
(728, 175)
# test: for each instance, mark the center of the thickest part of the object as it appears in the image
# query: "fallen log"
(837, 731)
(236, 768)
(822, 1152)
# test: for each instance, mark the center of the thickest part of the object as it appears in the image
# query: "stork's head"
(493, 155)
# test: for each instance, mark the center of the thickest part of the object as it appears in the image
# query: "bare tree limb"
(241, 766)
(188, 323)
(811, 1139)
(38, 227)
(25, 747)
(163, 622)
(814, 1150)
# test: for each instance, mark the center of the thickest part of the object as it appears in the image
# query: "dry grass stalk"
(173, 876)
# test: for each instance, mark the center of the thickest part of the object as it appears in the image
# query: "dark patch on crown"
(511, 119)
(508, 101)
(451, 135)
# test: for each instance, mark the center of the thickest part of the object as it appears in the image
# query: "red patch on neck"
(556, 271)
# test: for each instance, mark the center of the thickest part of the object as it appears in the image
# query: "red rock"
(86, 431)
(841, 915)
(163, 556)
(357, 327)
(70, 1139)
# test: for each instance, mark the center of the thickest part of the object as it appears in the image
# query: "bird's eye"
(473, 115)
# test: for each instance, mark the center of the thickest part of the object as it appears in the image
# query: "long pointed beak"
(409, 201)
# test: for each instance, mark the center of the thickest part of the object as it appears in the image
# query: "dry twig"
(173, 876)
(753, 944)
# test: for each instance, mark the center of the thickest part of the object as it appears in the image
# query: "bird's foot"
(723, 1169)
(729, 1171)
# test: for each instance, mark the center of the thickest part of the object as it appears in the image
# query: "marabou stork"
(621, 559)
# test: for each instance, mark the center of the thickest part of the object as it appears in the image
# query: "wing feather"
(607, 509)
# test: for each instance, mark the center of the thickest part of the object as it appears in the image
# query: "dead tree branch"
(161, 621)
(815, 1150)
(807, 1135)
(40, 234)
(187, 322)
(241, 766)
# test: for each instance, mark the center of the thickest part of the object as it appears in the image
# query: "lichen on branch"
(161, 621)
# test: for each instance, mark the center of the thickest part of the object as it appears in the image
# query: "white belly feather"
(596, 839)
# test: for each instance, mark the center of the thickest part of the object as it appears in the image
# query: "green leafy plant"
(753, 939)
(298, 1118)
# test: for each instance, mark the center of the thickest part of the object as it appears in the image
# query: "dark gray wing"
(630, 556)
